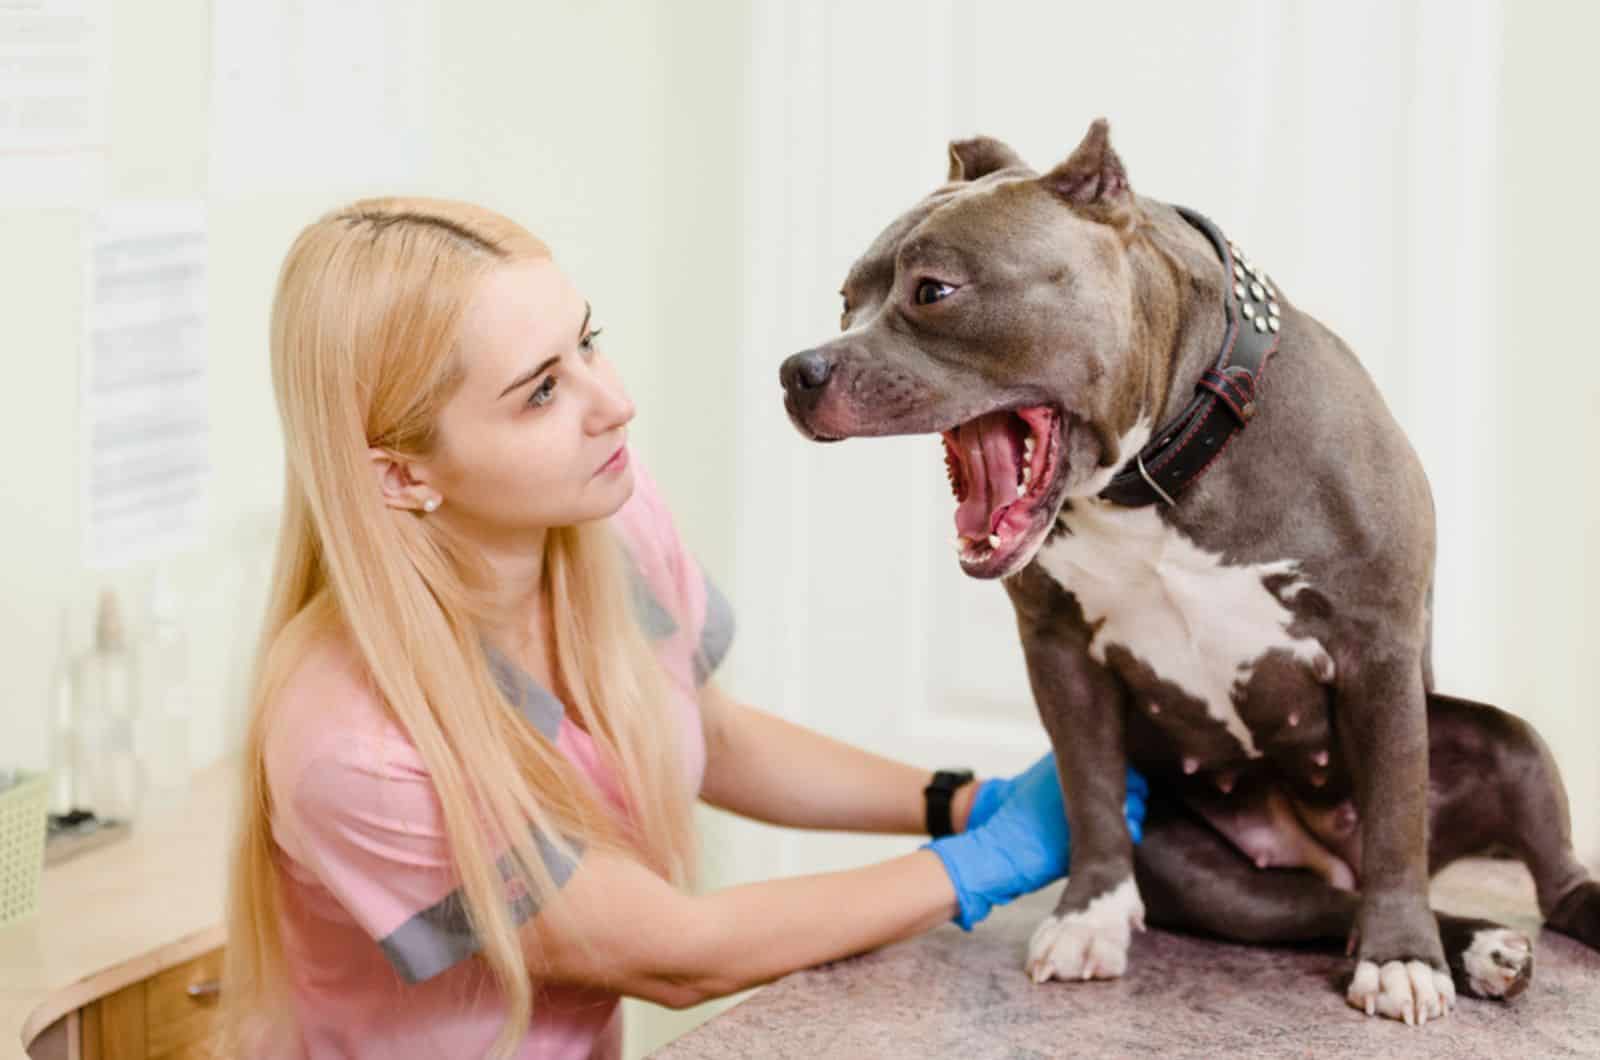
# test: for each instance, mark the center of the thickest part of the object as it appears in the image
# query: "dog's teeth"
(994, 540)
(961, 544)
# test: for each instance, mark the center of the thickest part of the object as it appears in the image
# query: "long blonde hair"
(364, 325)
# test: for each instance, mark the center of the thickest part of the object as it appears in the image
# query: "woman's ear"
(402, 483)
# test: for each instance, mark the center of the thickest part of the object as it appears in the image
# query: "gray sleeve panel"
(441, 936)
(717, 636)
(536, 704)
(654, 619)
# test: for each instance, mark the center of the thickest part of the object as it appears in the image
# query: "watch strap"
(937, 797)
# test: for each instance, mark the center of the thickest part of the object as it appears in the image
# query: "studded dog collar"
(1226, 396)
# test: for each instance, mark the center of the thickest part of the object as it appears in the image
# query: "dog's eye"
(931, 291)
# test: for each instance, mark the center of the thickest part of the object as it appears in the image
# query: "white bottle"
(108, 711)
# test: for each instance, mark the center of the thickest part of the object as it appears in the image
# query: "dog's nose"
(805, 371)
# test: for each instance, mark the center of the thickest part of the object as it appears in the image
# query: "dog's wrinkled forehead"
(934, 224)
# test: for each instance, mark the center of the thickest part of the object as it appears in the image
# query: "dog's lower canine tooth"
(994, 540)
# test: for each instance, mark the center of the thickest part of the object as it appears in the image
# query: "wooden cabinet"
(166, 1017)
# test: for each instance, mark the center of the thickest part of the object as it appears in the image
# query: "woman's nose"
(610, 406)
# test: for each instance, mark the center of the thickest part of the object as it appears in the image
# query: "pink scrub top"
(376, 939)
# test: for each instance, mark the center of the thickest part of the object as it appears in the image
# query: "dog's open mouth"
(1004, 467)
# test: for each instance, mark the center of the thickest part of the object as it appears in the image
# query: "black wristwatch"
(936, 799)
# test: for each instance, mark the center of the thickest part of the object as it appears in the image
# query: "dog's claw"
(1498, 964)
(1089, 944)
(1409, 991)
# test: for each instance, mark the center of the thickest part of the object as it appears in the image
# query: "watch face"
(950, 779)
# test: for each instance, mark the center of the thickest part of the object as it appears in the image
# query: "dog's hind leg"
(1193, 880)
(1496, 788)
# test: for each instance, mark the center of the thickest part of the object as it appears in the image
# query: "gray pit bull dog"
(1250, 628)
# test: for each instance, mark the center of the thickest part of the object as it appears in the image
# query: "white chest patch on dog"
(1198, 622)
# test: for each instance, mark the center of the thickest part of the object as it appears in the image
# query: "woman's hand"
(1017, 839)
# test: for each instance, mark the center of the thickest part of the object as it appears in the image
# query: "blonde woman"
(482, 709)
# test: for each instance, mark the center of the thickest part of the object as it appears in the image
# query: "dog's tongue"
(990, 450)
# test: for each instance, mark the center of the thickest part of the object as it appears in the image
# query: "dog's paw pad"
(1092, 944)
(1498, 964)
(1410, 991)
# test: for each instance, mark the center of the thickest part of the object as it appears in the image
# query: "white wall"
(1354, 148)
(559, 117)
(1546, 495)
(1416, 172)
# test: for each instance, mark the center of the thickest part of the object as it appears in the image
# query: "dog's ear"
(1092, 178)
(980, 156)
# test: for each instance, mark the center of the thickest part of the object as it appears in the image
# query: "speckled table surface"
(950, 994)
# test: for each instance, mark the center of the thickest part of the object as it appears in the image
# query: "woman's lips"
(618, 461)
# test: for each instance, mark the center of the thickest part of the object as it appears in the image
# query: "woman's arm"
(617, 926)
(761, 766)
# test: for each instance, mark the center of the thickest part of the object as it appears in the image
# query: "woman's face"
(535, 435)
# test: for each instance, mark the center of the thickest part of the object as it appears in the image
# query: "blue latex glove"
(994, 791)
(1016, 839)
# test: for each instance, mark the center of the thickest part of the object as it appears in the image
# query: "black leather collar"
(1226, 396)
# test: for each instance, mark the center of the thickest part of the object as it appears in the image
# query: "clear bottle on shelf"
(165, 687)
(107, 717)
(66, 793)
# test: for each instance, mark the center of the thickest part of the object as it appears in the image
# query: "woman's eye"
(543, 392)
(587, 342)
(931, 291)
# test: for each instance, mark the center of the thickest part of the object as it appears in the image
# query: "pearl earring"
(431, 504)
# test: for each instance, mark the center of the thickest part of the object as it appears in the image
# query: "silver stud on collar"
(1272, 307)
(1238, 271)
(1256, 292)
(1238, 290)
(1272, 323)
(1261, 323)
(1248, 310)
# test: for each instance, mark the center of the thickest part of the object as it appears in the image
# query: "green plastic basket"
(24, 817)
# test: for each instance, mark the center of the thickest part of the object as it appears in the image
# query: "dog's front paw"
(1090, 944)
(1412, 991)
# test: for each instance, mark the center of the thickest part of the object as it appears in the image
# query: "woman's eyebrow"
(527, 376)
